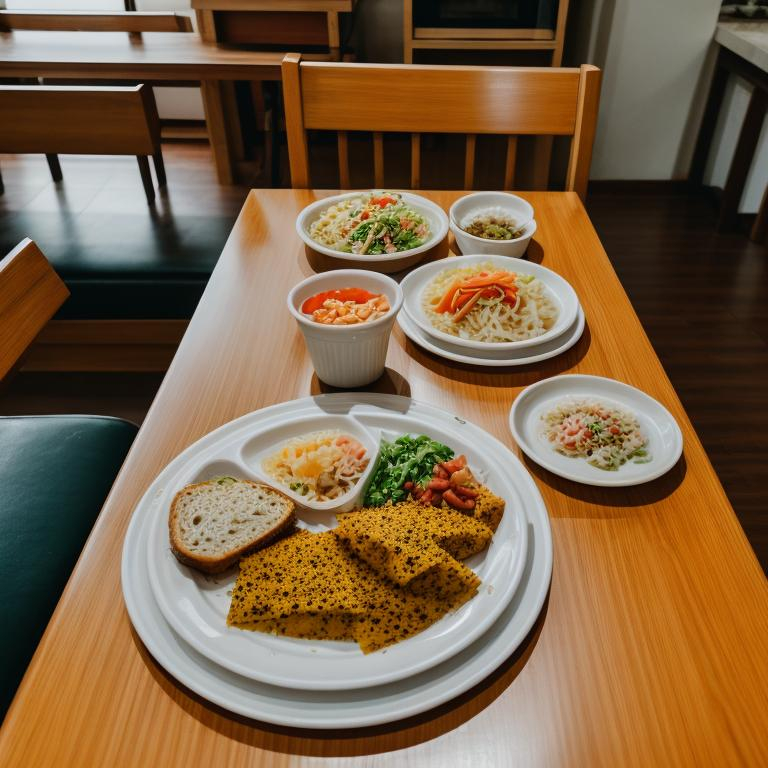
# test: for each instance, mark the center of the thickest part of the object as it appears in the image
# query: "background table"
(742, 52)
(651, 650)
(155, 56)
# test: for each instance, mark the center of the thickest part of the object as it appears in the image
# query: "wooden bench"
(93, 120)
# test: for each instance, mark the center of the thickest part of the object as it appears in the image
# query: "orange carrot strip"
(462, 313)
(445, 302)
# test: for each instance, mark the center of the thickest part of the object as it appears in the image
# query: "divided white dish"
(353, 708)
(385, 262)
(526, 356)
(196, 605)
(559, 290)
(665, 440)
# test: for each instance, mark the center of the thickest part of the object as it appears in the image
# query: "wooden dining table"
(651, 648)
(157, 57)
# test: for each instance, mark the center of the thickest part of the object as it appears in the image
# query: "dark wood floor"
(700, 296)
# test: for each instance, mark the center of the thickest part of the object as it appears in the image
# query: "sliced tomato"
(358, 295)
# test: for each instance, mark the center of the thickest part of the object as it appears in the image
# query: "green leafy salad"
(405, 459)
(370, 225)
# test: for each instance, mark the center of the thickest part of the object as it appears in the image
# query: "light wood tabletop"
(116, 55)
(652, 648)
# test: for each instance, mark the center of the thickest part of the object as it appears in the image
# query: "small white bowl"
(347, 355)
(517, 208)
(559, 289)
(384, 262)
(258, 449)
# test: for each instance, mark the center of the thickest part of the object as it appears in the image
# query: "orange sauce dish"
(346, 306)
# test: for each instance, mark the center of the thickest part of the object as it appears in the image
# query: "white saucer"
(665, 441)
(525, 356)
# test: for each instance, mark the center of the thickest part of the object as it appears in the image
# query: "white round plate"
(355, 708)
(558, 289)
(494, 359)
(433, 213)
(665, 441)
(196, 605)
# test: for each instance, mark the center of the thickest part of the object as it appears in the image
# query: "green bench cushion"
(55, 473)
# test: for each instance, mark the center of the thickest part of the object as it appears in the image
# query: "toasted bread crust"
(213, 565)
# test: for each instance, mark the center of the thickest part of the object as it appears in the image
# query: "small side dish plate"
(665, 440)
(558, 289)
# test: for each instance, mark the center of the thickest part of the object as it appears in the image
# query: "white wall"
(652, 53)
(657, 59)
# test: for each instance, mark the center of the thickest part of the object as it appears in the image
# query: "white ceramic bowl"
(560, 291)
(347, 355)
(518, 209)
(385, 262)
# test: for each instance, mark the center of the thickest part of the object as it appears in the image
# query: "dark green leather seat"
(55, 473)
(125, 266)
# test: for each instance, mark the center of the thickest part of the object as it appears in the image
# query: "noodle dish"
(479, 302)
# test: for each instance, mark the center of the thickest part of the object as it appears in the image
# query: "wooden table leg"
(213, 101)
(759, 231)
(709, 121)
(334, 39)
(742, 159)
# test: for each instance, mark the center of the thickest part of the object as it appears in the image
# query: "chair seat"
(55, 473)
(124, 266)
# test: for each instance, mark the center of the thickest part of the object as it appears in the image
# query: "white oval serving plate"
(665, 440)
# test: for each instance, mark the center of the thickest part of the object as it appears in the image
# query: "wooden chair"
(30, 294)
(92, 120)
(87, 21)
(43, 528)
(439, 99)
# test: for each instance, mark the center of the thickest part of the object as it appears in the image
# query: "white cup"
(347, 355)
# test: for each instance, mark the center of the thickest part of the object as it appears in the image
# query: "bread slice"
(215, 523)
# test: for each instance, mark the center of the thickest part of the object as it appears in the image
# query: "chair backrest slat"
(352, 97)
(469, 161)
(343, 160)
(509, 166)
(378, 159)
(30, 294)
(87, 21)
(415, 160)
(78, 120)
(580, 158)
(510, 101)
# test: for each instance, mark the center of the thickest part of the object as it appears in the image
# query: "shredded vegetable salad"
(319, 466)
(605, 435)
(370, 225)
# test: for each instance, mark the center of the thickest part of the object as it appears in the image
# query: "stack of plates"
(565, 332)
(181, 615)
